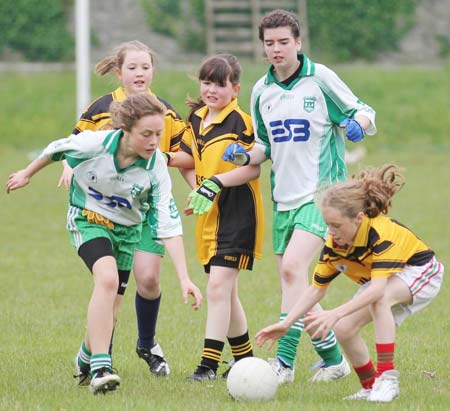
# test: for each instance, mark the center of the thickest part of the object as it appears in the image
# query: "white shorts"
(424, 282)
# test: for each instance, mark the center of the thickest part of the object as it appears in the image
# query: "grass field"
(46, 288)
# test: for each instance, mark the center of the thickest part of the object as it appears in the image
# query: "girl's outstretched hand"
(189, 288)
(66, 177)
(271, 333)
(321, 322)
(17, 180)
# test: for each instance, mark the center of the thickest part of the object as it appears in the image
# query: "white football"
(252, 378)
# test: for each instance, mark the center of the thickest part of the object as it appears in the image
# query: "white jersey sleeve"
(87, 144)
(163, 216)
(341, 95)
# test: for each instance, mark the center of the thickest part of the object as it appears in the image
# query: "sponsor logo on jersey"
(309, 103)
(230, 258)
(110, 201)
(295, 129)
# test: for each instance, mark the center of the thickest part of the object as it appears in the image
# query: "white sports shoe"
(104, 380)
(386, 387)
(362, 394)
(285, 374)
(333, 372)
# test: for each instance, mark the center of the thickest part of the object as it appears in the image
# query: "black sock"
(147, 315)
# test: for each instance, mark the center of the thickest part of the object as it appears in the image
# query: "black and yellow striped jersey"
(98, 117)
(235, 223)
(382, 247)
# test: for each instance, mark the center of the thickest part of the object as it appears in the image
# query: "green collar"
(111, 144)
(308, 69)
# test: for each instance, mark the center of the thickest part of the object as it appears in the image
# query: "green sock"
(99, 361)
(287, 345)
(328, 349)
(84, 356)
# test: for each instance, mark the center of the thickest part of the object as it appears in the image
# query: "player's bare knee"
(345, 330)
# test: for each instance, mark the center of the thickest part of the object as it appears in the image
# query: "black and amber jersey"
(235, 223)
(98, 117)
(382, 247)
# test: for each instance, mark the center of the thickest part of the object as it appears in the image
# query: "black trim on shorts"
(233, 260)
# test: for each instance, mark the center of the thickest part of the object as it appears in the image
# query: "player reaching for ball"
(132, 63)
(398, 275)
(300, 110)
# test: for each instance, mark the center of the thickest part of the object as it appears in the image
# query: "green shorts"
(123, 238)
(307, 218)
(148, 244)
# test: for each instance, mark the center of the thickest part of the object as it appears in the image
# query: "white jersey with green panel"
(297, 128)
(125, 196)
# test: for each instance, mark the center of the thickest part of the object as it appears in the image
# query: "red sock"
(366, 374)
(385, 358)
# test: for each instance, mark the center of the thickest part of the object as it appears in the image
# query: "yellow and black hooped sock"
(241, 346)
(212, 353)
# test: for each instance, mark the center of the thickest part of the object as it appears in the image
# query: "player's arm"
(322, 322)
(179, 159)
(308, 299)
(175, 249)
(201, 199)
(22, 177)
(66, 176)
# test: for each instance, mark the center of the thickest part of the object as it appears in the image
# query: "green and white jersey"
(297, 127)
(125, 196)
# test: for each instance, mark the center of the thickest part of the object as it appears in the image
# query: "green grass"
(46, 288)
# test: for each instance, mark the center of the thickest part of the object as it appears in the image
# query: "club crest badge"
(309, 104)
(173, 210)
(136, 190)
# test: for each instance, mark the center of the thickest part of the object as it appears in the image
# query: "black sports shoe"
(155, 360)
(202, 373)
(82, 373)
(227, 371)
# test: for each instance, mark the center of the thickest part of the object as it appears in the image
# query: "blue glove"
(236, 154)
(353, 130)
(203, 197)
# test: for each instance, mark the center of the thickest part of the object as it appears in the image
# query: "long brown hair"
(370, 191)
